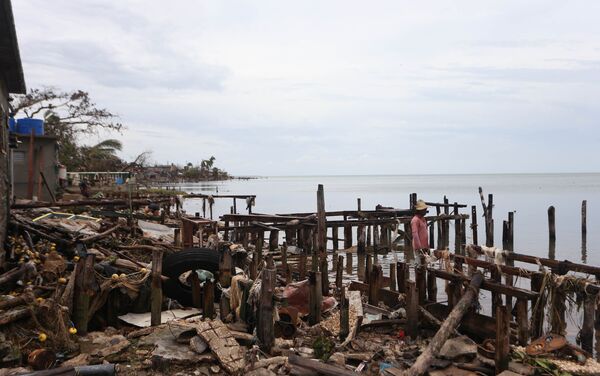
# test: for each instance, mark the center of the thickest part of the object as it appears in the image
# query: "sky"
(332, 87)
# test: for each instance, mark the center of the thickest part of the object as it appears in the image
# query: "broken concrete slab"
(223, 345)
(142, 320)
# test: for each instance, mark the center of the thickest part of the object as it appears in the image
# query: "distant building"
(11, 81)
(41, 156)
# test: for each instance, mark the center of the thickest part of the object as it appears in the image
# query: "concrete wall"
(44, 157)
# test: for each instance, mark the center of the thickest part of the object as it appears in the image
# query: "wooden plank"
(223, 345)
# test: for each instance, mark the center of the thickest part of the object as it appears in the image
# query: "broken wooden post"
(431, 287)
(401, 276)
(537, 308)
(321, 221)
(225, 268)
(474, 225)
(274, 240)
(84, 289)
(522, 322)
(196, 289)
(177, 237)
(368, 268)
(324, 276)
(156, 293)
(457, 235)
(349, 263)
(412, 310)
(302, 265)
(335, 238)
(315, 297)
(369, 238)
(253, 267)
(393, 277)
(265, 330)
(420, 279)
(448, 326)
(260, 239)
(559, 308)
(551, 233)
(361, 245)
(360, 267)
(375, 237)
(501, 358)
(344, 314)
(339, 273)
(375, 284)
(208, 299)
(583, 224)
(347, 234)
(587, 328)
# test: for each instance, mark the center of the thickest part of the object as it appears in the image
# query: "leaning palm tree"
(102, 155)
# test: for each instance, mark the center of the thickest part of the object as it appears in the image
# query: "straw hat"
(421, 205)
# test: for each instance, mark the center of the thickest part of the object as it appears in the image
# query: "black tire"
(178, 263)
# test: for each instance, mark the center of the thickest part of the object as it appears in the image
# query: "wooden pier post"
(587, 329)
(315, 297)
(339, 272)
(420, 279)
(412, 310)
(84, 279)
(446, 224)
(552, 233)
(584, 230)
(177, 237)
(457, 235)
(324, 276)
(431, 287)
(321, 221)
(225, 268)
(502, 339)
(368, 269)
(361, 267)
(522, 322)
(401, 276)
(369, 238)
(273, 240)
(194, 282)
(156, 293)
(537, 308)
(344, 314)
(393, 277)
(474, 225)
(375, 237)
(208, 299)
(361, 248)
(260, 240)
(375, 280)
(265, 330)
(335, 238)
(440, 229)
(349, 263)
(347, 234)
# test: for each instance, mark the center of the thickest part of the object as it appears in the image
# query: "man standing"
(418, 225)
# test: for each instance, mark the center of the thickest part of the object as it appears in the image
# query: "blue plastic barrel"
(26, 125)
(12, 125)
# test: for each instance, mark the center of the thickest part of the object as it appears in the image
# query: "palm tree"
(103, 155)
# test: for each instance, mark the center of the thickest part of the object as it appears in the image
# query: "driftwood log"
(319, 367)
(448, 326)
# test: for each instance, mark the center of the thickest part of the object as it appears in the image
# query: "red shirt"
(420, 237)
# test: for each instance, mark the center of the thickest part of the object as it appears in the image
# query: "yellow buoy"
(73, 330)
(42, 337)
(62, 280)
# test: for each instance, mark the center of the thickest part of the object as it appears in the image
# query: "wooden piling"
(401, 276)
(258, 247)
(265, 330)
(324, 269)
(375, 237)
(347, 234)
(361, 267)
(156, 293)
(587, 328)
(315, 297)
(349, 263)
(369, 238)
(522, 322)
(344, 314)
(393, 277)
(551, 233)
(420, 279)
(412, 309)
(225, 268)
(375, 280)
(274, 240)
(208, 299)
(537, 308)
(335, 238)
(196, 289)
(361, 247)
(339, 272)
(440, 229)
(321, 221)
(177, 237)
(83, 282)
(584, 225)
(457, 234)
(431, 287)
(474, 225)
(368, 268)
(502, 339)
